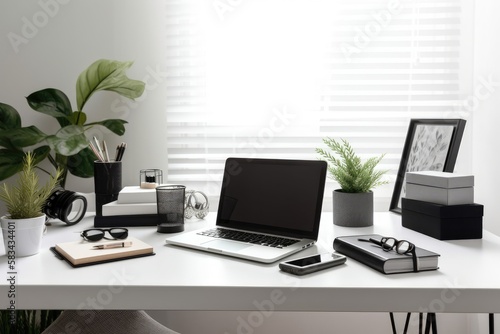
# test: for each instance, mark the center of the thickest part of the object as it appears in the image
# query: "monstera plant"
(67, 149)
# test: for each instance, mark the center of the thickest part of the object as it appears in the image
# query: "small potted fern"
(353, 203)
(23, 226)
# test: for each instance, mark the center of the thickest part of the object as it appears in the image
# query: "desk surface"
(181, 279)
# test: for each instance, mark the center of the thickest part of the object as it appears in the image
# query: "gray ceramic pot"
(352, 209)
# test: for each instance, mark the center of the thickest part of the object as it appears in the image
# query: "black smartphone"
(312, 263)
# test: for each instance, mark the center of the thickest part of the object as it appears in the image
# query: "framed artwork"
(431, 144)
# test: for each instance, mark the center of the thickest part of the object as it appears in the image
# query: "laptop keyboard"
(253, 238)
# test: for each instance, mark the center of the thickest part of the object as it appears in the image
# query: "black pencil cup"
(107, 183)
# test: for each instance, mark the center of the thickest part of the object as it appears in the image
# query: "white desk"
(180, 279)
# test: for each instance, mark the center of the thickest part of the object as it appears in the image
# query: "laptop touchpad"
(226, 246)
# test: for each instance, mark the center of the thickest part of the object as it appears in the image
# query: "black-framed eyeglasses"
(403, 247)
(96, 234)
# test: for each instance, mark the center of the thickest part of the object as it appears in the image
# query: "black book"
(389, 262)
(127, 220)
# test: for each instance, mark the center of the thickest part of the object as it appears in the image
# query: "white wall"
(487, 114)
(72, 34)
(55, 40)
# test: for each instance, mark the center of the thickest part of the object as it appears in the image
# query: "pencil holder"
(170, 204)
(107, 183)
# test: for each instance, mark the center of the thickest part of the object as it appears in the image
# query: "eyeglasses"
(96, 234)
(402, 247)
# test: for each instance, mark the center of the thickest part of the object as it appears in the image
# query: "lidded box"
(440, 187)
(440, 179)
(443, 222)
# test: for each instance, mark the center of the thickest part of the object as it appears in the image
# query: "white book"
(117, 209)
(136, 194)
(452, 196)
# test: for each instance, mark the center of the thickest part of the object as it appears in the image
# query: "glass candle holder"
(150, 178)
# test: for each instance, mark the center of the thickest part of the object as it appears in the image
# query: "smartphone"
(310, 264)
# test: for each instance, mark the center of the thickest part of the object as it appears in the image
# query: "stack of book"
(441, 205)
(132, 200)
(135, 206)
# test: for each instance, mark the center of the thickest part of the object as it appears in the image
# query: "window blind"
(272, 78)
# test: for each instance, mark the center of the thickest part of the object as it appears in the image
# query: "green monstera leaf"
(24, 137)
(78, 118)
(51, 102)
(11, 161)
(9, 117)
(82, 163)
(114, 125)
(69, 140)
(106, 75)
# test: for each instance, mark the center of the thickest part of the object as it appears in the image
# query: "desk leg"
(491, 322)
(434, 324)
(430, 323)
(407, 323)
(391, 315)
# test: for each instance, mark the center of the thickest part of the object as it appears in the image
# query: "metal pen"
(120, 244)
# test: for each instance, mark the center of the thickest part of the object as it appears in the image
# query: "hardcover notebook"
(82, 253)
(386, 262)
(274, 197)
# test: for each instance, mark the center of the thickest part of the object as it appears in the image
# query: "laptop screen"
(273, 196)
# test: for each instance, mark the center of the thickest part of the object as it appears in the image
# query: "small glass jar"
(150, 178)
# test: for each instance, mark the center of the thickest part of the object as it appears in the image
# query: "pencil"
(96, 152)
(105, 147)
(120, 150)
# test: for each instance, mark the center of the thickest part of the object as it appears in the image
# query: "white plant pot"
(22, 237)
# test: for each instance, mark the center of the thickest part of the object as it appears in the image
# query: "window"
(272, 78)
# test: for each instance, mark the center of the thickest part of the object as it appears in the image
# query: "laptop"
(268, 209)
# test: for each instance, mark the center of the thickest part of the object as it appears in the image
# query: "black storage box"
(443, 222)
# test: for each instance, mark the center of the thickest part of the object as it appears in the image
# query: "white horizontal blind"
(272, 78)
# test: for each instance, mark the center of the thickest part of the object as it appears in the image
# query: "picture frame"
(431, 144)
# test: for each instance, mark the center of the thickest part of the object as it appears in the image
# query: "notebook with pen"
(268, 209)
(83, 253)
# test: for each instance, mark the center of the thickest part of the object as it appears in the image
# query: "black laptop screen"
(273, 196)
